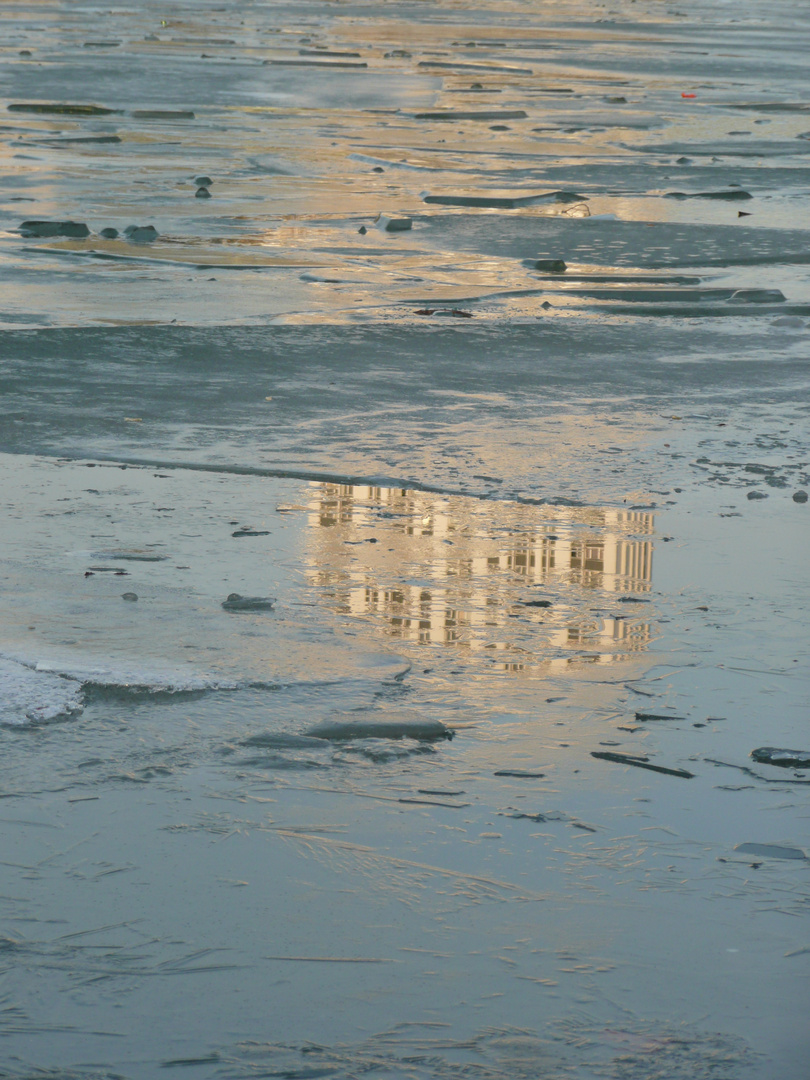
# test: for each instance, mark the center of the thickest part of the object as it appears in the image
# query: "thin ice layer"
(28, 695)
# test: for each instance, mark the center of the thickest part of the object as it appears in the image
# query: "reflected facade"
(513, 584)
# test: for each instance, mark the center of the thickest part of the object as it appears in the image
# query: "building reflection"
(519, 584)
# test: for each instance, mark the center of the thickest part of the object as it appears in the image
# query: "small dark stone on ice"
(362, 230)
(236, 602)
(203, 181)
(632, 600)
(202, 193)
(141, 234)
(129, 596)
(536, 603)
(251, 532)
(378, 168)
(109, 234)
(800, 496)
(657, 716)
(757, 495)
(551, 266)
(785, 759)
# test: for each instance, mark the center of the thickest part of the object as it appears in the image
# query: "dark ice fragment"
(757, 296)
(771, 851)
(236, 602)
(640, 763)
(129, 554)
(60, 109)
(389, 224)
(727, 196)
(282, 741)
(54, 228)
(505, 202)
(141, 234)
(785, 759)
(131, 596)
(535, 603)
(162, 114)
(799, 496)
(550, 266)
(372, 725)
(109, 233)
(520, 774)
(84, 139)
(251, 532)
(472, 114)
(657, 716)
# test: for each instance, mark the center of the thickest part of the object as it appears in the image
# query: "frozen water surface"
(531, 473)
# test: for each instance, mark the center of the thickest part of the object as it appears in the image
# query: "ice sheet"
(529, 504)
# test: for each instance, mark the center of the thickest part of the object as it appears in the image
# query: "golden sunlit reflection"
(508, 584)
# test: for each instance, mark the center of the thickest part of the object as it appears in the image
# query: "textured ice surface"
(30, 696)
(481, 488)
(310, 122)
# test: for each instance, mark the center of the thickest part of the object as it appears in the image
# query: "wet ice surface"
(551, 532)
(638, 139)
(502, 898)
